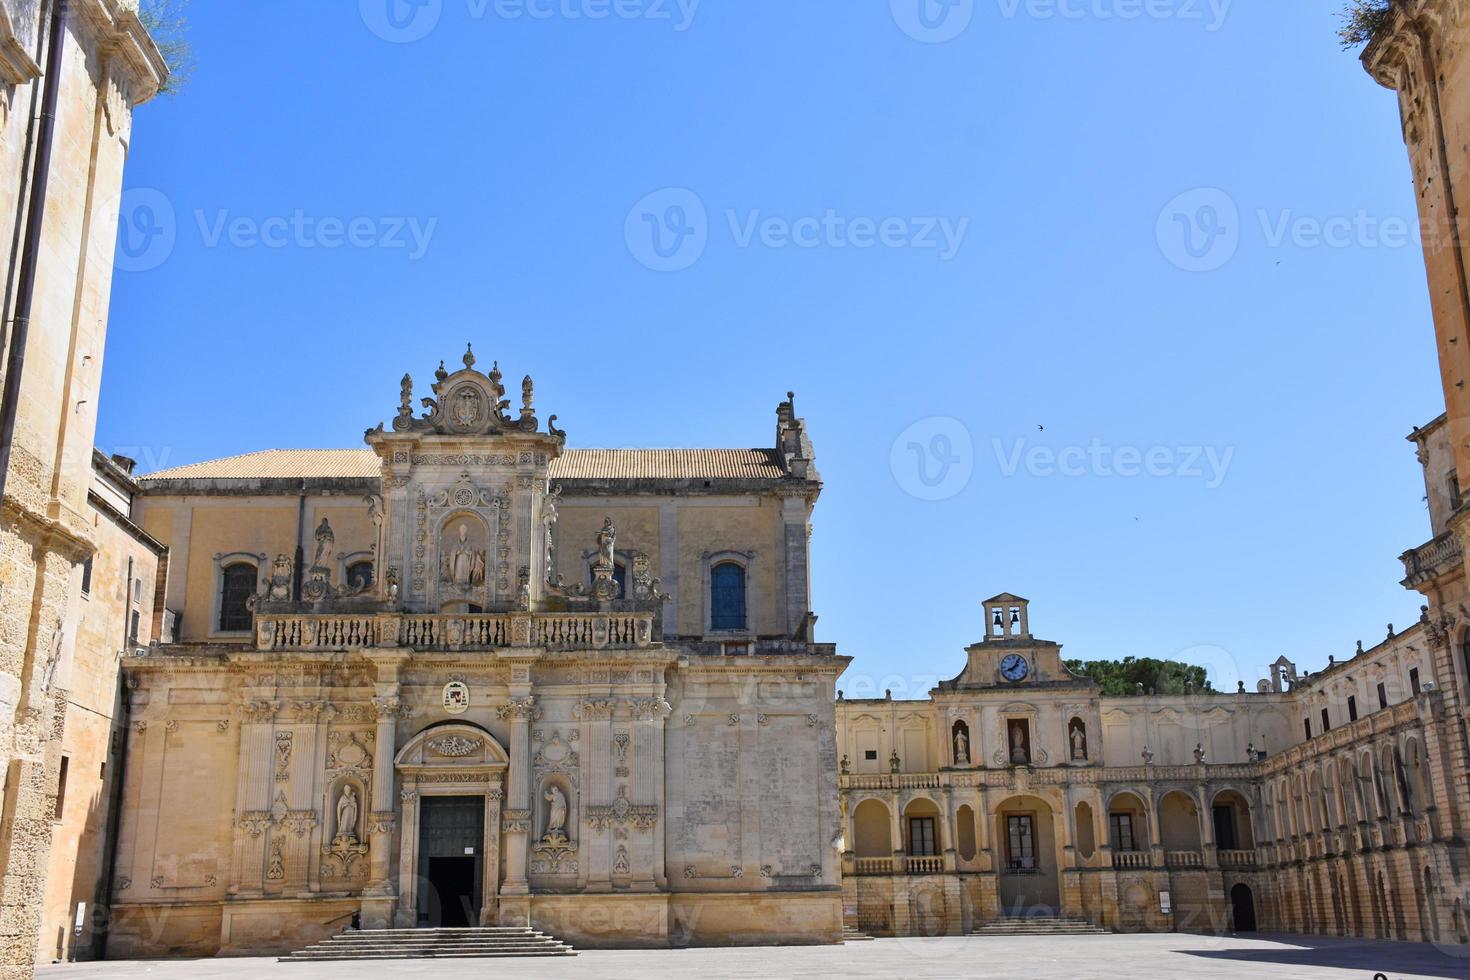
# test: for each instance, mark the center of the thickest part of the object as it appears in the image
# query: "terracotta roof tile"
(574, 464)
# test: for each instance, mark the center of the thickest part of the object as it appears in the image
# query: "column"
(668, 562)
(380, 893)
(407, 914)
(516, 826)
(649, 715)
(489, 908)
(796, 532)
(253, 820)
(302, 820)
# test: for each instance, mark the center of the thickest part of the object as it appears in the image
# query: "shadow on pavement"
(1392, 959)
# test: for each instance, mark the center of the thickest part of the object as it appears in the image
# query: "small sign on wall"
(1166, 905)
(456, 697)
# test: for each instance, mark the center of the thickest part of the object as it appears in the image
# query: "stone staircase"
(851, 934)
(1038, 925)
(402, 944)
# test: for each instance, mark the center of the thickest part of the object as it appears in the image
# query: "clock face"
(1014, 667)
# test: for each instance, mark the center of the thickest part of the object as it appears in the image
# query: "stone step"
(451, 943)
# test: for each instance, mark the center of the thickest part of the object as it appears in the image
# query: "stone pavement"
(1140, 957)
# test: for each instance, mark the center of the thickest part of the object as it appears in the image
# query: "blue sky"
(1177, 241)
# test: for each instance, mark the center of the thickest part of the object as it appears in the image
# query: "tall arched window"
(727, 596)
(237, 585)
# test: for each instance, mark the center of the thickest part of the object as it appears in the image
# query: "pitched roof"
(574, 464)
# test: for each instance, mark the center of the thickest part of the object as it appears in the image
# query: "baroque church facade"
(469, 676)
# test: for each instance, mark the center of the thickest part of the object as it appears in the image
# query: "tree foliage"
(1121, 678)
(1361, 20)
(168, 22)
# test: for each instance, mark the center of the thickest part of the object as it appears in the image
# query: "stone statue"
(347, 815)
(1199, 754)
(961, 748)
(556, 820)
(461, 563)
(606, 543)
(549, 517)
(1079, 744)
(282, 571)
(527, 394)
(325, 539)
(1018, 744)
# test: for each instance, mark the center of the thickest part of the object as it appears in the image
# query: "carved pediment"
(465, 403)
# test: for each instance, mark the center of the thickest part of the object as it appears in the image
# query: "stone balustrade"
(873, 865)
(1184, 859)
(924, 865)
(1431, 559)
(1236, 859)
(337, 632)
(1130, 859)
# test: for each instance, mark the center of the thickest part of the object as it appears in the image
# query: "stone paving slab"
(1143, 957)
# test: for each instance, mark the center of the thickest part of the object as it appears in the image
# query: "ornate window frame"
(346, 559)
(709, 560)
(223, 560)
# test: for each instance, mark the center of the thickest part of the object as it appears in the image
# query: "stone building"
(70, 75)
(470, 676)
(1333, 803)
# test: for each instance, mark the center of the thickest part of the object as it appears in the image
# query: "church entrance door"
(451, 837)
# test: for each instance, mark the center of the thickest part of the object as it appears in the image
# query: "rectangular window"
(87, 577)
(1021, 854)
(921, 837)
(1307, 727)
(1414, 680)
(133, 626)
(871, 755)
(1352, 707)
(1225, 828)
(1382, 697)
(1121, 825)
(61, 788)
(1326, 724)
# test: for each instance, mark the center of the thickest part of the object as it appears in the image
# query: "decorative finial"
(405, 395)
(528, 391)
(495, 373)
(441, 374)
(469, 355)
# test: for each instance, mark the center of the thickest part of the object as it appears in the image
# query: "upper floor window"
(620, 576)
(1352, 708)
(360, 575)
(87, 577)
(237, 585)
(727, 597)
(1414, 680)
(1452, 489)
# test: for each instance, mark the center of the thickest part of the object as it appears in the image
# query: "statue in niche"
(549, 517)
(556, 819)
(462, 563)
(1019, 751)
(606, 544)
(961, 747)
(347, 809)
(325, 539)
(1079, 744)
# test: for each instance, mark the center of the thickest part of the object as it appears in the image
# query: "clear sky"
(944, 227)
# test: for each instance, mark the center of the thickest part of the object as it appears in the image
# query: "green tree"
(1121, 678)
(1361, 20)
(168, 22)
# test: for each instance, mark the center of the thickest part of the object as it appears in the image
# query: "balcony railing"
(874, 865)
(1430, 560)
(1184, 859)
(336, 632)
(924, 865)
(1236, 859)
(1130, 859)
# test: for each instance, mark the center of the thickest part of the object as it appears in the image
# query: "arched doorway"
(872, 830)
(1025, 829)
(1243, 905)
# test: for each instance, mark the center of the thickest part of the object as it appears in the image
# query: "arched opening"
(921, 832)
(1179, 825)
(872, 830)
(1084, 832)
(1128, 830)
(1367, 794)
(1417, 778)
(1428, 914)
(1026, 832)
(965, 832)
(1243, 908)
(1316, 803)
(360, 576)
(959, 740)
(1232, 822)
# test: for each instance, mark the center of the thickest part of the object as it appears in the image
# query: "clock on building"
(1014, 667)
